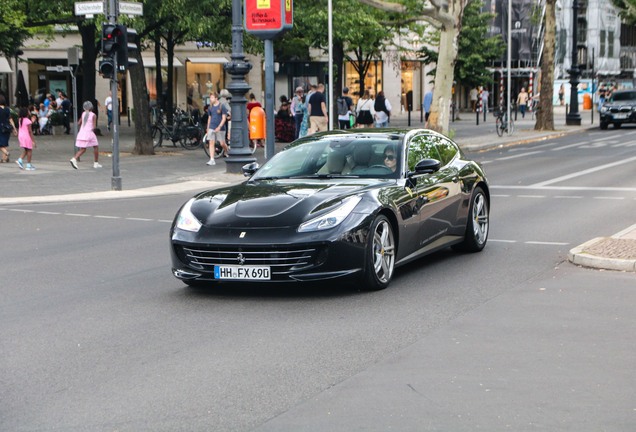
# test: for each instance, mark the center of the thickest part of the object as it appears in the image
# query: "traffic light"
(106, 68)
(127, 46)
(111, 34)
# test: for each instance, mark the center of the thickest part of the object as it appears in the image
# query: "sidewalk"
(175, 170)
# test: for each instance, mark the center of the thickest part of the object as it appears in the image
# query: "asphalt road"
(96, 335)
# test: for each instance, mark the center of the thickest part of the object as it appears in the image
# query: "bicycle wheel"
(205, 144)
(511, 127)
(191, 139)
(157, 136)
(499, 126)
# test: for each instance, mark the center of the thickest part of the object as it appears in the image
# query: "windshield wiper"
(324, 176)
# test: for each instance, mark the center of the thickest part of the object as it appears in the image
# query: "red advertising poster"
(289, 14)
(264, 18)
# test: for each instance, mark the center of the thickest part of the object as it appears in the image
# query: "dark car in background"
(620, 108)
(342, 204)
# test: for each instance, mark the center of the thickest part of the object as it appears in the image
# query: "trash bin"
(587, 101)
(257, 123)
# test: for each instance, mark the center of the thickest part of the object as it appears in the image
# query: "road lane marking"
(77, 214)
(140, 219)
(584, 172)
(518, 155)
(531, 196)
(544, 243)
(609, 198)
(107, 217)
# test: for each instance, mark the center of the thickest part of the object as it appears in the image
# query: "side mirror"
(427, 166)
(250, 169)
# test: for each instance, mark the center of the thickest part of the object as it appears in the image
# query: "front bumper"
(291, 256)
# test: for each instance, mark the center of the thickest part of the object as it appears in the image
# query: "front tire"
(477, 227)
(380, 255)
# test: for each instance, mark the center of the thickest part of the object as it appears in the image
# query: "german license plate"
(242, 272)
(620, 116)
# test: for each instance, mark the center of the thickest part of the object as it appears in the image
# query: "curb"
(580, 256)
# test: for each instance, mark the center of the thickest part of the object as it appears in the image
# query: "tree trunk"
(338, 61)
(170, 43)
(158, 76)
(545, 116)
(439, 117)
(141, 107)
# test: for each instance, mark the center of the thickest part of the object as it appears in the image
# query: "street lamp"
(573, 116)
(239, 153)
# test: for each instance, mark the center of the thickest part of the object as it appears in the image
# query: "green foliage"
(12, 31)
(627, 10)
(475, 50)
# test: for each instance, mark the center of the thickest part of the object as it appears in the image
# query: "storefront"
(203, 75)
(373, 80)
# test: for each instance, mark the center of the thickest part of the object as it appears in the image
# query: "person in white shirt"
(108, 104)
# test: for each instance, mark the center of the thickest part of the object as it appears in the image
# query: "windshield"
(624, 96)
(334, 156)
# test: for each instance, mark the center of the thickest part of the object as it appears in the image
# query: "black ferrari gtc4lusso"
(342, 204)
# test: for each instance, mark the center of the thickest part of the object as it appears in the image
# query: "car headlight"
(604, 109)
(186, 220)
(331, 219)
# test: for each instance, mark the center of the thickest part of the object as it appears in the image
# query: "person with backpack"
(382, 110)
(345, 107)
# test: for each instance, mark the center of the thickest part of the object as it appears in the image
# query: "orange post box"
(257, 123)
(587, 101)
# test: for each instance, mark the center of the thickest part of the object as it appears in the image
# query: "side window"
(447, 150)
(422, 147)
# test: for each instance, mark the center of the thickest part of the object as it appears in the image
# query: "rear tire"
(477, 227)
(380, 255)
(192, 138)
(157, 136)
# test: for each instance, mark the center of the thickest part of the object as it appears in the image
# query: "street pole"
(330, 93)
(240, 153)
(270, 149)
(573, 117)
(115, 181)
(508, 97)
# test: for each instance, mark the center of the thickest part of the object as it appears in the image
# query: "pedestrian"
(6, 127)
(426, 105)
(253, 103)
(86, 136)
(318, 118)
(66, 110)
(25, 137)
(108, 105)
(382, 110)
(304, 124)
(297, 110)
(365, 110)
(485, 94)
(217, 117)
(225, 97)
(473, 98)
(345, 107)
(561, 95)
(522, 101)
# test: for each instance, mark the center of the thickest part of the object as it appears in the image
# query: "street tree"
(447, 17)
(12, 30)
(545, 116)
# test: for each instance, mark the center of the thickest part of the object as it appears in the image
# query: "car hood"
(618, 104)
(274, 203)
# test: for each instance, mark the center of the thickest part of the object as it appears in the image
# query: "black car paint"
(622, 103)
(254, 214)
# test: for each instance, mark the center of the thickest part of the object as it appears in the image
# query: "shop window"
(203, 78)
(372, 80)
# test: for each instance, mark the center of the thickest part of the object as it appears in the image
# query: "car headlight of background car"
(332, 218)
(604, 109)
(186, 220)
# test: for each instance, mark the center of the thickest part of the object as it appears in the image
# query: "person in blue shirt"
(428, 101)
(217, 117)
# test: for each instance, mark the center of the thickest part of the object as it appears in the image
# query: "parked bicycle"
(183, 131)
(502, 123)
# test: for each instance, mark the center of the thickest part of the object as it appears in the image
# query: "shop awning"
(150, 62)
(4, 66)
(217, 60)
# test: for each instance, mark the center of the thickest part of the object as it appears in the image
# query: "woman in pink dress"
(86, 137)
(25, 137)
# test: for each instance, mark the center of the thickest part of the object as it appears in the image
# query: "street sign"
(58, 68)
(89, 8)
(264, 18)
(131, 8)
(289, 15)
